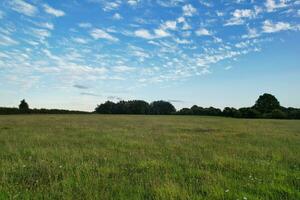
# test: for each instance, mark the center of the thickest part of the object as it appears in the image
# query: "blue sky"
(75, 54)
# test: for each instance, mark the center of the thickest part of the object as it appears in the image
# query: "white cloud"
(181, 20)
(220, 14)
(52, 11)
(243, 13)
(161, 33)
(133, 2)
(271, 5)
(108, 6)
(7, 41)
(23, 7)
(117, 16)
(80, 40)
(41, 33)
(270, 27)
(123, 68)
(85, 25)
(189, 10)
(47, 25)
(158, 33)
(169, 3)
(171, 25)
(228, 68)
(186, 26)
(101, 34)
(252, 33)
(143, 33)
(239, 15)
(203, 32)
(182, 41)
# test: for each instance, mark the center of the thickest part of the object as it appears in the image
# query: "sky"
(75, 54)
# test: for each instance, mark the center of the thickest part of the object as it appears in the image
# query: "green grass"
(148, 157)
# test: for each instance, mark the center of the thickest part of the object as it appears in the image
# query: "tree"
(23, 107)
(121, 107)
(162, 108)
(211, 111)
(249, 113)
(107, 108)
(230, 112)
(266, 103)
(196, 110)
(185, 111)
(138, 107)
(278, 114)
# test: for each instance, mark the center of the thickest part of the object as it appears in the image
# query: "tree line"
(266, 106)
(24, 109)
(137, 107)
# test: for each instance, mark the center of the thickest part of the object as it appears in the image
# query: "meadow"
(148, 157)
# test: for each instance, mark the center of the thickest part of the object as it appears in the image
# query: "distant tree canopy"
(24, 107)
(266, 106)
(266, 103)
(137, 107)
(162, 108)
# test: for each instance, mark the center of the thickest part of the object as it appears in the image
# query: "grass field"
(148, 157)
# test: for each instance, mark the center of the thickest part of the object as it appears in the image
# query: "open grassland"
(148, 157)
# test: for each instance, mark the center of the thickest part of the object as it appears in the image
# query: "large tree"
(107, 108)
(24, 107)
(266, 103)
(162, 108)
(138, 107)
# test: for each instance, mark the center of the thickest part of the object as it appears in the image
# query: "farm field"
(148, 157)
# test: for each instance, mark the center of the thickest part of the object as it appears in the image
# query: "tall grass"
(148, 157)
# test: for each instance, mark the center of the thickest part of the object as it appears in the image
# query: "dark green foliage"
(278, 114)
(185, 111)
(211, 111)
(121, 108)
(249, 113)
(267, 106)
(162, 108)
(9, 111)
(294, 114)
(138, 107)
(106, 108)
(55, 111)
(266, 103)
(231, 112)
(24, 107)
(196, 110)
